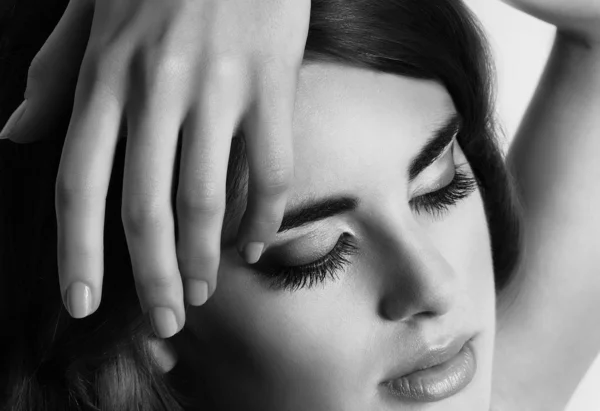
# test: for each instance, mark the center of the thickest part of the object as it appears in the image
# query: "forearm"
(554, 161)
(558, 142)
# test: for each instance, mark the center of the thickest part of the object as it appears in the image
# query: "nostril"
(405, 311)
(427, 314)
(414, 302)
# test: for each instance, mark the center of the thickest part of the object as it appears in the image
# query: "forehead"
(356, 130)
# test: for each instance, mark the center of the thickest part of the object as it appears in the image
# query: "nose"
(418, 282)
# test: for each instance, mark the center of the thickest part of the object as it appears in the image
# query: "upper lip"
(427, 356)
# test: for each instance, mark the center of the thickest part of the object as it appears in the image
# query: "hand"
(578, 18)
(201, 67)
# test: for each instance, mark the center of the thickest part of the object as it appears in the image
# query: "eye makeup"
(292, 278)
(436, 203)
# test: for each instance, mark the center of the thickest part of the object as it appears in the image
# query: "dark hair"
(103, 362)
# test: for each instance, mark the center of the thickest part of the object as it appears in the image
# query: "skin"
(129, 69)
(329, 347)
(549, 312)
(554, 162)
(164, 68)
(545, 313)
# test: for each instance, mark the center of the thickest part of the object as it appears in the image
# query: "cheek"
(283, 348)
(464, 241)
(322, 348)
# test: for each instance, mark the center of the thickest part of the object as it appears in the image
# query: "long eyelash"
(437, 202)
(294, 278)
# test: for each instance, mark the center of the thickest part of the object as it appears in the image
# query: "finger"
(52, 76)
(164, 353)
(268, 130)
(201, 192)
(81, 187)
(147, 212)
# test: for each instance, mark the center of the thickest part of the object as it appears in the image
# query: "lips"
(435, 372)
(428, 357)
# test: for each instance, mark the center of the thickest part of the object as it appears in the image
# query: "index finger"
(270, 154)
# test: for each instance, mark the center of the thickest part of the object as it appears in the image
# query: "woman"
(392, 272)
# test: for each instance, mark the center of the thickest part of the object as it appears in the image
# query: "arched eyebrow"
(435, 146)
(320, 209)
(317, 210)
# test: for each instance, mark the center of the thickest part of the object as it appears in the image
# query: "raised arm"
(548, 321)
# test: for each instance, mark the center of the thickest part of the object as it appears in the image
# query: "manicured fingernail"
(253, 251)
(196, 291)
(79, 300)
(12, 121)
(164, 322)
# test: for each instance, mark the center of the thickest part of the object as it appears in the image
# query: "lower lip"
(438, 382)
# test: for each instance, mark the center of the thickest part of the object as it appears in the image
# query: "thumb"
(52, 76)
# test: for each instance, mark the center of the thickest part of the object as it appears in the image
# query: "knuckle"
(100, 72)
(169, 65)
(140, 216)
(224, 67)
(97, 63)
(275, 186)
(159, 65)
(276, 179)
(70, 189)
(203, 202)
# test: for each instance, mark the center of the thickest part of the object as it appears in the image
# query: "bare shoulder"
(547, 319)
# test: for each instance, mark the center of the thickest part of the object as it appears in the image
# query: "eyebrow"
(324, 208)
(316, 211)
(434, 146)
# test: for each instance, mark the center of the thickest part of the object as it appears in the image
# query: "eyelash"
(436, 203)
(294, 278)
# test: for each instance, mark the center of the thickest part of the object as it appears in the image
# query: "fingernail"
(12, 121)
(164, 322)
(79, 300)
(196, 291)
(253, 251)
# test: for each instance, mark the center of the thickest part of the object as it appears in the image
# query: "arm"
(548, 333)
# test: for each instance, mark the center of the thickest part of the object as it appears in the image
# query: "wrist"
(575, 20)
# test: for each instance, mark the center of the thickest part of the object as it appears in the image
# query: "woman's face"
(407, 272)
